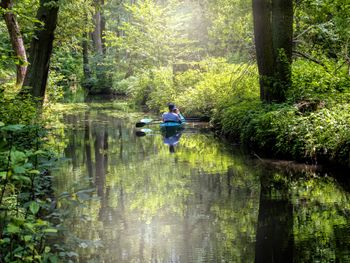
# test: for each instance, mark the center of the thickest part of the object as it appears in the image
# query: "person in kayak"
(173, 115)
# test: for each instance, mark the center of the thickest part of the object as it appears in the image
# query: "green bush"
(312, 125)
(121, 86)
(232, 117)
(154, 88)
(66, 74)
(218, 82)
(15, 110)
(313, 82)
(198, 91)
(25, 195)
(27, 234)
(281, 130)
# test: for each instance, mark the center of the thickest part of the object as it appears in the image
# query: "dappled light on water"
(136, 201)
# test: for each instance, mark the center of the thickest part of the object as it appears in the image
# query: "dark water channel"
(206, 202)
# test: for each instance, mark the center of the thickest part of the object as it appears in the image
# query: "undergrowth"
(313, 125)
(29, 219)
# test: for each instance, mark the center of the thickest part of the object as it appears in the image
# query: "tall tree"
(98, 37)
(41, 48)
(99, 23)
(16, 40)
(86, 61)
(86, 65)
(273, 32)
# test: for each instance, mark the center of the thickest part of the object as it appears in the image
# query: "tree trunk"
(103, 81)
(273, 30)
(103, 28)
(263, 45)
(282, 28)
(41, 49)
(86, 65)
(97, 33)
(16, 41)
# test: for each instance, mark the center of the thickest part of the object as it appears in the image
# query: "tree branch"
(309, 57)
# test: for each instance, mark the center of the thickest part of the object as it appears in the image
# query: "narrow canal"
(135, 201)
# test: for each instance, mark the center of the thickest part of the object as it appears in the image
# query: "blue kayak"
(172, 124)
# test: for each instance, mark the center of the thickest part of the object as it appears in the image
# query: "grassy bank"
(313, 125)
(283, 131)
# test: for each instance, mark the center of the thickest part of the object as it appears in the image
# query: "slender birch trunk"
(16, 40)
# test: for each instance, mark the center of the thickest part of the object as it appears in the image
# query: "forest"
(270, 75)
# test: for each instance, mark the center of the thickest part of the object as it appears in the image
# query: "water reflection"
(274, 237)
(202, 203)
(171, 136)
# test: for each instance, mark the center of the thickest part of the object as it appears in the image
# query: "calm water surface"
(134, 201)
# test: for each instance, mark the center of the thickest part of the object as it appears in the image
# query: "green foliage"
(66, 75)
(232, 117)
(148, 35)
(322, 28)
(74, 20)
(24, 196)
(153, 89)
(282, 130)
(198, 91)
(25, 11)
(313, 125)
(15, 110)
(218, 83)
(313, 82)
(27, 230)
(231, 30)
(7, 67)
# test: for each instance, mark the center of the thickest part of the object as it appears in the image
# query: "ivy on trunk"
(273, 31)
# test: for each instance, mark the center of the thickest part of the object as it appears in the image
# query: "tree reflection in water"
(274, 237)
(203, 203)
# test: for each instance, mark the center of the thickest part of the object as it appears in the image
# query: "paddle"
(143, 132)
(144, 122)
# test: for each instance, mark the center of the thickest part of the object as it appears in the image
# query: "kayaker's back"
(171, 117)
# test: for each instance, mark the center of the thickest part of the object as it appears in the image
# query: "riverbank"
(305, 132)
